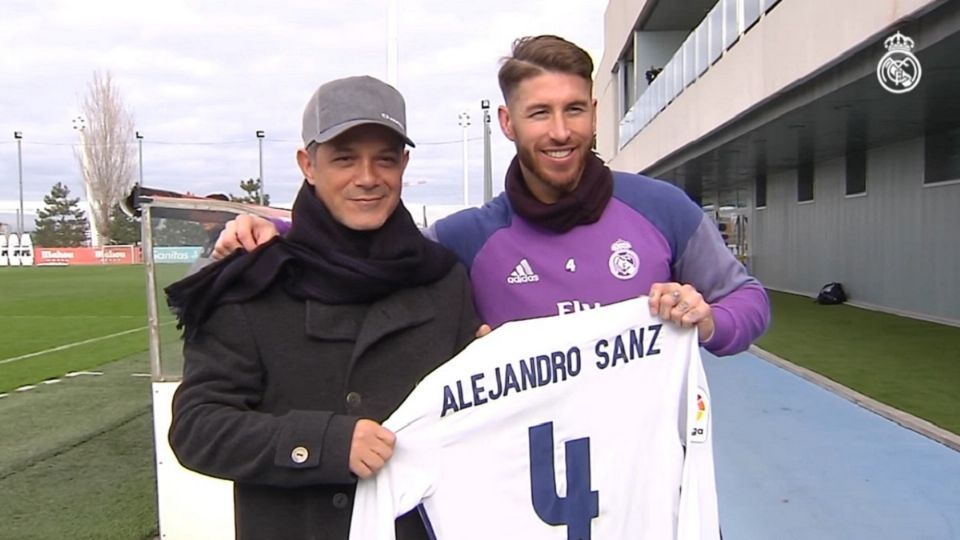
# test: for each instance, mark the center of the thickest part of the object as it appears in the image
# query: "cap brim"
(340, 129)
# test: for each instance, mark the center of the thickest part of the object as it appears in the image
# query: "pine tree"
(252, 189)
(60, 223)
(124, 230)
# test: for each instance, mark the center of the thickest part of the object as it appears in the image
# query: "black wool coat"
(273, 387)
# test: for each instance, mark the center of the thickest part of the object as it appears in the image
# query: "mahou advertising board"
(44, 256)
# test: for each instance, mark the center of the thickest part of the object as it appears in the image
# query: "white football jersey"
(594, 425)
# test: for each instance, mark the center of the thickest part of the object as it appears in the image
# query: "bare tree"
(107, 159)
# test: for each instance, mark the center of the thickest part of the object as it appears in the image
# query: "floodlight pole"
(262, 186)
(140, 154)
(487, 167)
(464, 121)
(18, 135)
(80, 124)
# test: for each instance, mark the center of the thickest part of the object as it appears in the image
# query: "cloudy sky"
(201, 77)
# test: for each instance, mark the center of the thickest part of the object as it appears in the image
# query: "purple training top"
(649, 232)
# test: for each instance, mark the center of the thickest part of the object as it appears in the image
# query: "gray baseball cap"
(347, 103)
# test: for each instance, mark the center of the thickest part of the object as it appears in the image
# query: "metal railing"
(718, 32)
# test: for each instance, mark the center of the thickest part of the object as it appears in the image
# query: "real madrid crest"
(624, 262)
(899, 70)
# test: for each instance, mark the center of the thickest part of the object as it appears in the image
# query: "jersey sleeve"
(698, 517)
(376, 506)
(402, 484)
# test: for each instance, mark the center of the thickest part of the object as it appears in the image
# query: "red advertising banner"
(78, 256)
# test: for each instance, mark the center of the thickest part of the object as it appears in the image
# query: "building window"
(760, 191)
(856, 172)
(942, 156)
(805, 182)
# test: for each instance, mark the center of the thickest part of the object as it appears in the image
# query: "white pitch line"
(76, 344)
(71, 317)
(73, 374)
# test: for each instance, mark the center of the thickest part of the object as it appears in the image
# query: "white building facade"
(829, 129)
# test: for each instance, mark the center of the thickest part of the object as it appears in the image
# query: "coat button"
(340, 501)
(353, 399)
(299, 454)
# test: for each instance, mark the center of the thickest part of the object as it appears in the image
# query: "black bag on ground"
(832, 293)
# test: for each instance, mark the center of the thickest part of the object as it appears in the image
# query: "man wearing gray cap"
(295, 352)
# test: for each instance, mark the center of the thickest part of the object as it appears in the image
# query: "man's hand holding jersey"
(683, 305)
(371, 447)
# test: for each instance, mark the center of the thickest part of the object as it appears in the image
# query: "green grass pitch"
(42, 309)
(76, 459)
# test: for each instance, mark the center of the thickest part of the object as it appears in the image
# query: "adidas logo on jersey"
(523, 274)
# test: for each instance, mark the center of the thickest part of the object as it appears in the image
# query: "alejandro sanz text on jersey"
(549, 368)
(589, 426)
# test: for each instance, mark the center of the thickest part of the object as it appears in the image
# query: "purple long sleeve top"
(649, 232)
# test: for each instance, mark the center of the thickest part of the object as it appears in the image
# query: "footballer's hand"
(483, 330)
(371, 447)
(244, 232)
(683, 305)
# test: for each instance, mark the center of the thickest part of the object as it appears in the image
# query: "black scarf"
(582, 206)
(319, 259)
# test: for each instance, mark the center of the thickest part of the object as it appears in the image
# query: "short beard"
(529, 164)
